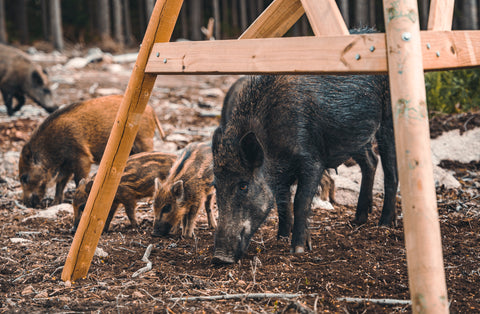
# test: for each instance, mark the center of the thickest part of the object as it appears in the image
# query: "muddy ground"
(365, 262)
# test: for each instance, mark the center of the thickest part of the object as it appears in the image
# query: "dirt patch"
(346, 261)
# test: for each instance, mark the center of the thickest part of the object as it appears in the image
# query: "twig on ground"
(146, 260)
(20, 205)
(9, 259)
(378, 301)
(242, 296)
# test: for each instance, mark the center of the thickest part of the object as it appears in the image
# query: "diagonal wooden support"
(120, 143)
(441, 15)
(426, 275)
(325, 18)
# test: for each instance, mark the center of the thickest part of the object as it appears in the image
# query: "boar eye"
(166, 208)
(24, 178)
(243, 186)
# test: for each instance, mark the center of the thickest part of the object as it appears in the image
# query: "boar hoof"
(222, 260)
(298, 250)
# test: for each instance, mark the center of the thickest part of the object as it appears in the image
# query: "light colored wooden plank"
(276, 20)
(426, 273)
(441, 15)
(325, 18)
(119, 144)
(337, 54)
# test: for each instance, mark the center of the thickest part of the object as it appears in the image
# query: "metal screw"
(165, 60)
(357, 57)
(428, 46)
(158, 54)
(372, 48)
(438, 53)
(406, 36)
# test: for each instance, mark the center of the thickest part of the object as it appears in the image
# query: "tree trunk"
(235, 15)
(469, 20)
(56, 24)
(252, 11)
(361, 13)
(343, 6)
(103, 19)
(260, 8)
(226, 19)
(372, 13)
(118, 22)
(149, 4)
(216, 17)
(45, 18)
(196, 14)
(21, 20)
(3, 29)
(243, 15)
(184, 20)
(128, 23)
(423, 7)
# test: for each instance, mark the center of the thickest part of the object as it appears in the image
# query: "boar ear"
(88, 187)
(157, 185)
(217, 137)
(251, 151)
(177, 190)
(82, 182)
(37, 79)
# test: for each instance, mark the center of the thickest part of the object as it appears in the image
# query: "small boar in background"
(137, 182)
(19, 76)
(187, 189)
(69, 141)
(288, 129)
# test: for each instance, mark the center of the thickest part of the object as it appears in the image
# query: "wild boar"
(136, 183)
(69, 141)
(288, 129)
(187, 189)
(19, 76)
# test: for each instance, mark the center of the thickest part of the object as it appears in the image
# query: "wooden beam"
(415, 168)
(276, 20)
(121, 139)
(441, 15)
(325, 18)
(338, 54)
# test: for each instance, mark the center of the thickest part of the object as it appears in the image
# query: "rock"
(108, 91)
(100, 252)
(212, 92)
(20, 240)
(28, 290)
(51, 212)
(42, 295)
(137, 295)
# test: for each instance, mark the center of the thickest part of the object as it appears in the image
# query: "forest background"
(118, 25)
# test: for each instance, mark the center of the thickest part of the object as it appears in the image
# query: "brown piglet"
(136, 183)
(69, 141)
(188, 187)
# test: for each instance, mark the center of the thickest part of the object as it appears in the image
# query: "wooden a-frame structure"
(403, 52)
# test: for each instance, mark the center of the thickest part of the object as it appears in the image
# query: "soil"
(365, 262)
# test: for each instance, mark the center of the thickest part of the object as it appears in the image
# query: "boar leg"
(285, 218)
(368, 165)
(8, 99)
(386, 148)
(212, 224)
(20, 102)
(130, 211)
(191, 218)
(111, 214)
(307, 186)
(62, 181)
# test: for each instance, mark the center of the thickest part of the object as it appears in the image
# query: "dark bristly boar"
(288, 129)
(187, 189)
(327, 184)
(137, 182)
(69, 141)
(19, 76)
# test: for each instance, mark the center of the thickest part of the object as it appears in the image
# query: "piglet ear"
(89, 185)
(251, 151)
(177, 190)
(157, 186)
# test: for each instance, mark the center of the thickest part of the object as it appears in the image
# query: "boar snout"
(221, 258)
(32, 201)
(161, 229)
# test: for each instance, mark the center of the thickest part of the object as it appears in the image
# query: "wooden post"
(422, 229)
(441, 15)
(121, 139)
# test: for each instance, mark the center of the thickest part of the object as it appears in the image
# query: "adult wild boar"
(288, 129)
(69, 141)
(19, 77)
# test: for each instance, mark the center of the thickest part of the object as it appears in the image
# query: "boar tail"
(159, 127)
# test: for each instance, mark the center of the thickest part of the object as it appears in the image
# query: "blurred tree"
(103, 19)
(56, 24)
(361, 13)
(118, 22)
(196, 18)
(344, 9)
(423, 8)
(21, 20)
(3, 28)
(243, 15)
(216, 17)
(469, 12)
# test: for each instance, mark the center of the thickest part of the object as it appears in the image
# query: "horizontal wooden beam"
(363, 53)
